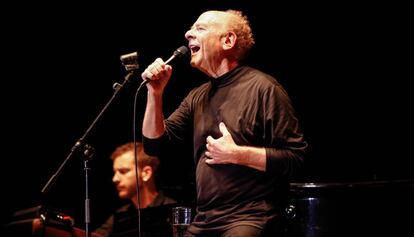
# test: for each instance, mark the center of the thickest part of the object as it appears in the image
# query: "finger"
(155, 68)
(166, 71)
(209, 160)
(223, 129)
(210, 140)
(158, 65)
(147, 75)
(167, 67)
(159, 61)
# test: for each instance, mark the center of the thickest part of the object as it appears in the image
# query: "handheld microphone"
(179, 53)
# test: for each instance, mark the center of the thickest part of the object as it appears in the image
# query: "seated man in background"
(143, 195)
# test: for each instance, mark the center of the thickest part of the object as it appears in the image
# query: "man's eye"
(123, 171)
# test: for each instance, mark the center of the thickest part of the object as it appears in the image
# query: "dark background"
(343, 65)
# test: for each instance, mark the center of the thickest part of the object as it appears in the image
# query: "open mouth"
(194, 49)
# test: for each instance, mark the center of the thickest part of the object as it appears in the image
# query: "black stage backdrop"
(342, 65)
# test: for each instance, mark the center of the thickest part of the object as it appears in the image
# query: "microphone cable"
(134, 121)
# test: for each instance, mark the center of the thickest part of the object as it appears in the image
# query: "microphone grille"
(181, 51)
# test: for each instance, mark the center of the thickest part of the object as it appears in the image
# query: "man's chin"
(122, 196)
(195, 60)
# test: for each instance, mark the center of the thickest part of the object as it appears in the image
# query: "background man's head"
(124, 170)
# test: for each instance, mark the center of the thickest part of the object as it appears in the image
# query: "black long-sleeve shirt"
(257, 112)
(124, 220)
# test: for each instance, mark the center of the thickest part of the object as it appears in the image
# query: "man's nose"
(115, 178)
(189, 34)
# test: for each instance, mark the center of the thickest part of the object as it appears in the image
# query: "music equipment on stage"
(43, 221)
(377, 208)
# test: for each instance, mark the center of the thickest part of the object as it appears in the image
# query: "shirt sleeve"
(180, 121)
(176, 127)
(285, 154)
(153, 146)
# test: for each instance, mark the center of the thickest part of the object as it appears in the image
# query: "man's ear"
(229, 40)
(146, 173)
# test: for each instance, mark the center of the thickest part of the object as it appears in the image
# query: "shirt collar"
(226, 78)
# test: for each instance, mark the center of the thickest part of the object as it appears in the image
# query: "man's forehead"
(211, 16)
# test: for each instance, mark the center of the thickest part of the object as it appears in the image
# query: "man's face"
(124, 175)
(205, 40)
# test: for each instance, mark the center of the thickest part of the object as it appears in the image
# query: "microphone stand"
(87, 151)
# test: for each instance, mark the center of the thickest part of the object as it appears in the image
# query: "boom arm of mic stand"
(87, 152)
(80, 142)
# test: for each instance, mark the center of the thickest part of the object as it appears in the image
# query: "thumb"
(223, 129)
